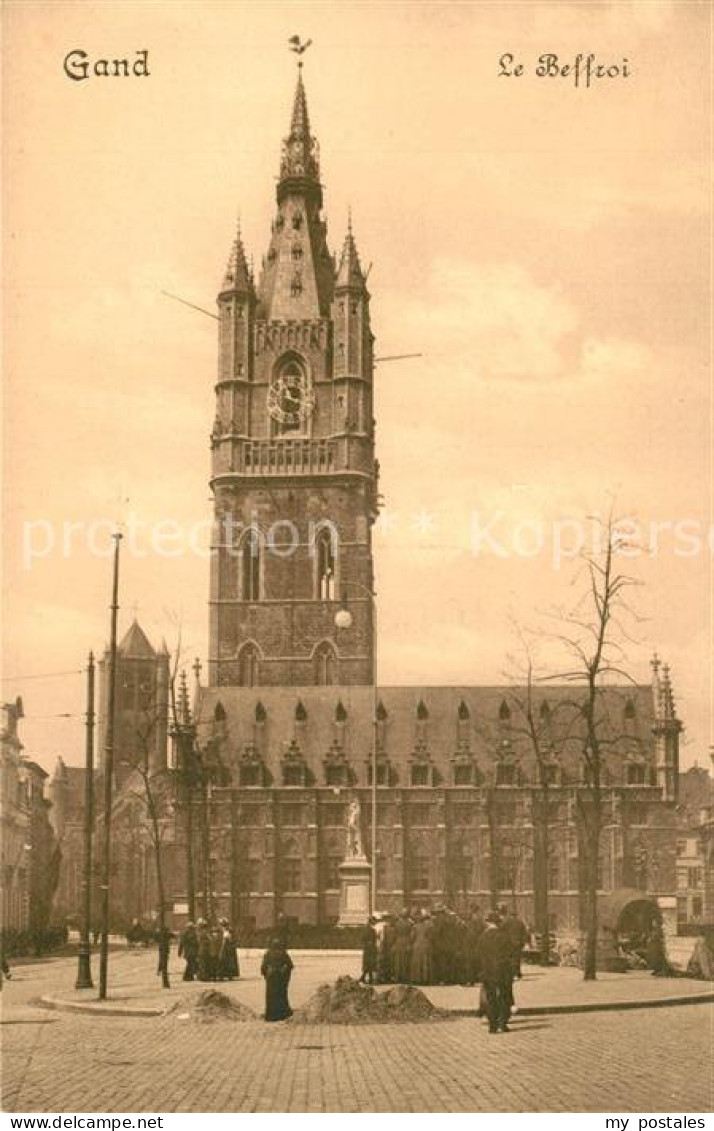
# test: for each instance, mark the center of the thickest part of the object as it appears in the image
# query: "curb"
(601, 1006)
(110, 1010)
(117, 1010)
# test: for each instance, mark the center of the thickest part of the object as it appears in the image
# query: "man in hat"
(204, 951)
(188, 950)
(439, 955)
(402, 948)
(516, 933)
(494, 960)
(475, 927)
(369, 951)
(421, 973)
(164, 937)
(385, 942)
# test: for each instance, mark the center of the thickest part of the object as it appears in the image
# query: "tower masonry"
(294, 477)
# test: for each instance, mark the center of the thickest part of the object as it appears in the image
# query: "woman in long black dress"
(276, 968)
(228, 967)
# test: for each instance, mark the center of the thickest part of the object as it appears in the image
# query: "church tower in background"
(294, 477)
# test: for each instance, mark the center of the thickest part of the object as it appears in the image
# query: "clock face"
(290, 399)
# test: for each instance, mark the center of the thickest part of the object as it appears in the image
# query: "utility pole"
(235, 871)
(186, 739)
(206, 838)
(186, 775)
(84, 966)
(108, 775)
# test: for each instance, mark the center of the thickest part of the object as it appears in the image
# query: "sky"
(542, 246)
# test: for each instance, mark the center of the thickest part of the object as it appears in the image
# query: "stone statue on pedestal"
(355, 872)
(354, 832)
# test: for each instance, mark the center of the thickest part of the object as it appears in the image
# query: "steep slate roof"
(135, 644)
(71, 779)
(35, 767)
(483, 723)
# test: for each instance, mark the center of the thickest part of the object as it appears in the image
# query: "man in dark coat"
(188, 950)
(385, 943)
(439, 946)
(516, 933)
(494, 958)
(402, 949)
(163, 938)
(475, 927)
(205, 960)
(421, 974)
(369, 951)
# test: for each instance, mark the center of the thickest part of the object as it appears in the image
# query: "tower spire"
(300, 121)
(350, 271)
(300, 156)
(238, 275)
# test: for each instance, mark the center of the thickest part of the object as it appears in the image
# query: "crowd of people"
(210, 951)
(443, 948)
(424, 948)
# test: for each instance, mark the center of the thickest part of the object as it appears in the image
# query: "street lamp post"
(344, 620)
(84, 970)
(108, 775)
(184, 739)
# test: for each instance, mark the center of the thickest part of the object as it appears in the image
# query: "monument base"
(354, 891)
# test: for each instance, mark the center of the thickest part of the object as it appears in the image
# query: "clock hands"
(290, 400)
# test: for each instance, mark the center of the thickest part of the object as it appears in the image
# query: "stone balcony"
(285, 457)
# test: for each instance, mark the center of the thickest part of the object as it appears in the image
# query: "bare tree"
(592, 636)
(544, 730)
(154, 796)
(156, 790)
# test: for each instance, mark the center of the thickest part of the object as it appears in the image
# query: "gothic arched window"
(250, 567)
(325, 571)
(248, 669)
(325, 666)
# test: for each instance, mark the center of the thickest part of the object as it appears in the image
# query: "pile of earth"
(348, 1002)
(211, 1005)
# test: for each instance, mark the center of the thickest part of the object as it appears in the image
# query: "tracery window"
(250, 567)
(248, 666)
(325, 555)
(325, 666)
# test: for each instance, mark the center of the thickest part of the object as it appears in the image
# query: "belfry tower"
(294, 477)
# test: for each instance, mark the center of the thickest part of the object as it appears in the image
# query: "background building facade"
(695, 850)
(28, 848)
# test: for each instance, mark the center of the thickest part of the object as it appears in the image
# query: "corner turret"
(666, 729)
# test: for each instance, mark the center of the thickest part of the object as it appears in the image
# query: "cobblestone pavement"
(616, 1062)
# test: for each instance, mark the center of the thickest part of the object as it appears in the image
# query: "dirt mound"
(348, 1002)
(211, 1005)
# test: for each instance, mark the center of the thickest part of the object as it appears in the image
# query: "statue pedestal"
(354, 891)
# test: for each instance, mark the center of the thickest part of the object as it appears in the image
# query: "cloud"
(496, 323)
(496, 319)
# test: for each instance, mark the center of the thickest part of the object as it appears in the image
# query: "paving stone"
(629, 1061)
